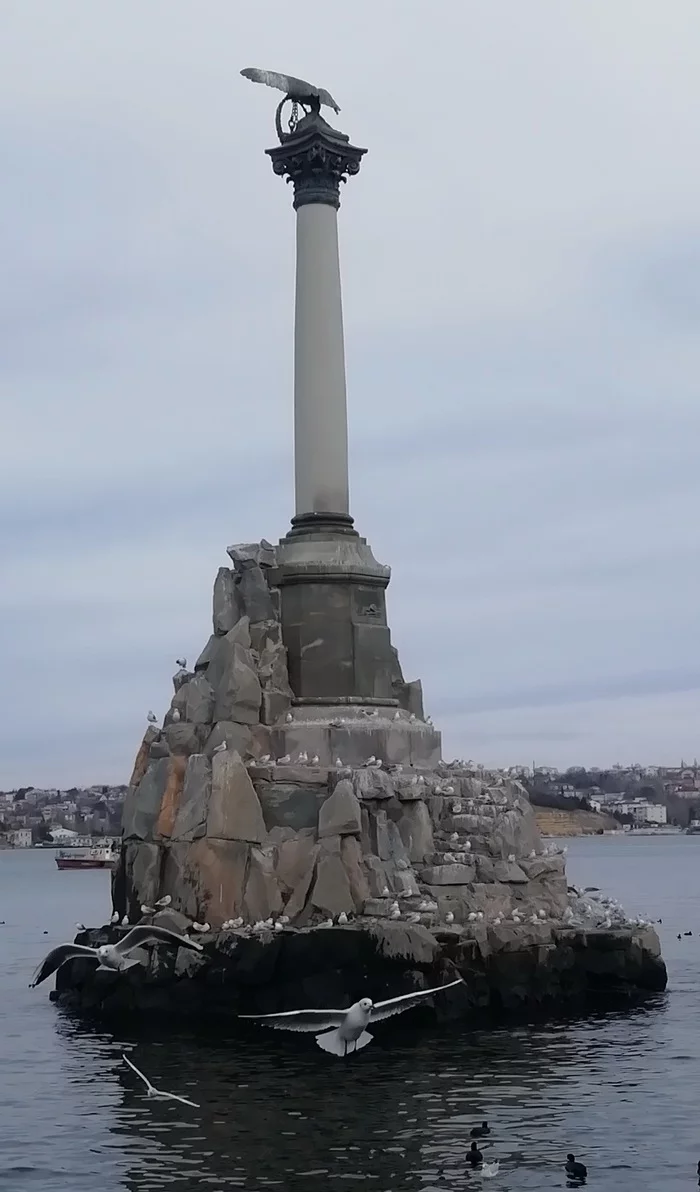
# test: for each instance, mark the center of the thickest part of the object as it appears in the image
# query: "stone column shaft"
(320, 402)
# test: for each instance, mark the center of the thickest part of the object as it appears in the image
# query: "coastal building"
(21, 838)
(641, 811)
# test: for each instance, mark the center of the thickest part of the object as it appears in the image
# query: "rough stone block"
(377, 907)
(370, 783)
(158, 749)
(190, 821)
(386, 840)
(340, 813)
(331, 893)
(199, 700)
(171, 796)
(141, 763)
(377, 879)
(184, 738)
(143, 867)
(543, 867)
(227, 609)
(262, 894)
(253, 593)
(403, 883)
(295, 858)
(142, 803)
(493, 898)
(509, 871)
(234, 807)
(234, 679)
(238, 738)
(216, 870)
(265, 635)
(262, 553)
(416, 830)
(208, 654)
(181, 677)
(287, 805)
(351, 855)
(448, 875)
(177, 882)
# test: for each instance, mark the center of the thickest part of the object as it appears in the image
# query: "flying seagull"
(341, 1031)
(111, 956)
(294, 89)
(152, 1091)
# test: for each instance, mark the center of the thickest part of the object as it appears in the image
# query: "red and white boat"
(86, 858)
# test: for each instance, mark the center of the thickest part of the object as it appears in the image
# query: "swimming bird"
(474, 1156)
(341, 1031)
(489, 1170)
(687, 933)
(574, 1170)
(480, 1131)
(111, 956)
(152, 1091)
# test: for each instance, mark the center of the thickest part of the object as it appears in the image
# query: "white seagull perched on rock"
(152, 1091)
(220, 747)
(181, 662)
(152, 718)
(343, 1031)
(111, 956)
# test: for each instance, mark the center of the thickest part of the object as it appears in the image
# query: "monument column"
(316, 159)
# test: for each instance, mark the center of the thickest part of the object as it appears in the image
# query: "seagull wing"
(59, 956)
(396, 1005)
(133, 1067)
(300, 1020)
(183, 1100)
(146, 934)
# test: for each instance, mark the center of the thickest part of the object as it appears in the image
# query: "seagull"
(203, 927)
(412, 717)
(340, 1031)
(511, 858)
(115, 918)
(152, 1091)
(175, 716)
(289, 718)
(395, 912)
(164, 901)
(342, 918)
(449, 917)
(147, 910)
(110, 956)
(182, 662)
(338, 764)
(490, 1169)
(152, 718)
(284, 761)
(454, 836)
(303, 758)
(315, 760)
(125, 921)
(219, 748)
(370, 761)
(397, 715)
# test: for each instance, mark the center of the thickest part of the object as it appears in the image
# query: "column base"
(322, 523)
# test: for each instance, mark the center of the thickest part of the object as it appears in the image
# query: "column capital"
(316, 159)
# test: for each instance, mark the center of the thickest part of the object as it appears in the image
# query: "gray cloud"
(520, 264)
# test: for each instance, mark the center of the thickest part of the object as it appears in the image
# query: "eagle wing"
(147, 935)
(396, 1005)
(300, 1020)
(59, 956)
(295, 88)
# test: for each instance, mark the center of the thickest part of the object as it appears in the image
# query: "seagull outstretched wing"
(59, 956)
(145, 934)
(154, 1092)
(296, 88)
(396, 1005)
(300, 1020)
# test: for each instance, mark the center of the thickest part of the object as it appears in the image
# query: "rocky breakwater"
(331, 853)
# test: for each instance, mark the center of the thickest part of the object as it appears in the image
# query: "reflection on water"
(619, 1090)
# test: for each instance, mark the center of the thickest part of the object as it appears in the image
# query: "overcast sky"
(521, 271)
